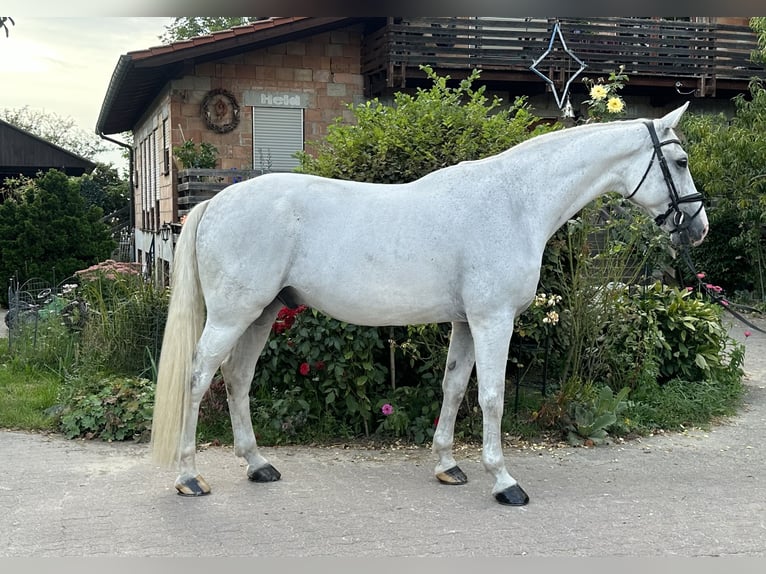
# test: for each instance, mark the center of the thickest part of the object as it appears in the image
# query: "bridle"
(680, 221)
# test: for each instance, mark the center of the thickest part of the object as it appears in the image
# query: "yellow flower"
(598, 92)
(615, 105)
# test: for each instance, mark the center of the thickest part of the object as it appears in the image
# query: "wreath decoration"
(220, 111)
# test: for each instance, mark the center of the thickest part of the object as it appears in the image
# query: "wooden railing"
(647, 47)
(197, 185)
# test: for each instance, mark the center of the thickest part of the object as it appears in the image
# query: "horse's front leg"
(491, 341)
(460, 361)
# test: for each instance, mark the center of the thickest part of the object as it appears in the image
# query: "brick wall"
(325, 68)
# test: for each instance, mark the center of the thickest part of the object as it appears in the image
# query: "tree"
(188, 27)
(4, 23)
(47, 228)
(55, 129)
(758, 23)
(104, 188)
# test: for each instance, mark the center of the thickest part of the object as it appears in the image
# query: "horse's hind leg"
(237, 372)
(460, 361)
(213, 347)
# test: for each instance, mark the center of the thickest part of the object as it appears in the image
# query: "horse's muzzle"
(692, 234)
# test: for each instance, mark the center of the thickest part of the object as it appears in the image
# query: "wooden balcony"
(197, 185)
(710, 57)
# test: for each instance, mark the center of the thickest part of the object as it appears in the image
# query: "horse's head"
(666, 189)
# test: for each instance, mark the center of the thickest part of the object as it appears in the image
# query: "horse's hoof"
(194, 486)
(452, 476)
(512, 496)
(265, 473)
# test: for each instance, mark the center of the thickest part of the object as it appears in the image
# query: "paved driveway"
(699, 493)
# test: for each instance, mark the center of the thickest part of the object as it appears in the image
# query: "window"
(165, 148)
(148, 180)
(277, 135)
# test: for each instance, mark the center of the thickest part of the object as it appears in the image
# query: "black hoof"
(192, 487)
(452, 476)
(512, 496)
(264, 474)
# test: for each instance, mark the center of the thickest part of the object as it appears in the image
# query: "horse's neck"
(586, 164)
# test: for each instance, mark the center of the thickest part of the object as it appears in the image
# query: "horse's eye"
(682, 163)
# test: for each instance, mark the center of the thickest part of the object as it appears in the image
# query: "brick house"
(260, 92)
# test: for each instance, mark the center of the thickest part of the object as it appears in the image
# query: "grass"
(26, 393)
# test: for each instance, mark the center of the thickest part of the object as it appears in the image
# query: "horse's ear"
(671, 120)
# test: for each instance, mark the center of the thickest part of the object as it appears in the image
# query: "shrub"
(109, 408)
(420, 133)
(48, 230)
(192, 157)
(726, 158)
(126, 319)
(317, 369)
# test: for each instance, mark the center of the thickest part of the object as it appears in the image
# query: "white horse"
(463, 244)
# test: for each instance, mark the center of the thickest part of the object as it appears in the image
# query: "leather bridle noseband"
(680, 220)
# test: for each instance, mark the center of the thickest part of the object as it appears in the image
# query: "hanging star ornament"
(563, 97)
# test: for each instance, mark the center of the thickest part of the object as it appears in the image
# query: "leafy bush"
(191, 156)
(420, 133)
(316, 369)
(109, 408)
(126, 319)
(681, 403)
(726, 158)
(48, 230)
(666, 354)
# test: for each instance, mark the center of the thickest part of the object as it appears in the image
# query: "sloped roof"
(140, 75)
(22, 152)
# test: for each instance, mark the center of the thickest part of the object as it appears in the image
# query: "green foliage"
(320, 369)
(187, 27)
(28, 393)
(589, 262)
(690, 342)
(126, 319)
(681, 403)
(758, 24)
(420, 133)
(727, 159)
(109, 407)
(653, 338)
(191, 156)
(104, 188)
(46, 227)
(593, 413)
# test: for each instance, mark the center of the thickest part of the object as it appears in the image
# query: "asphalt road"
(699, 493)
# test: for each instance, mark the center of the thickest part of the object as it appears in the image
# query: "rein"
(715, 295)
(674, 207)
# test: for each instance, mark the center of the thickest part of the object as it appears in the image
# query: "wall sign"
(220, 111)
(273, 99)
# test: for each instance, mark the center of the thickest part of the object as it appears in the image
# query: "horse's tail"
(186, 315)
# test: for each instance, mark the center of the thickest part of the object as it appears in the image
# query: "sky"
(64, 65)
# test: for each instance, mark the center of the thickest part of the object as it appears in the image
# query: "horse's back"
(365, 253)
